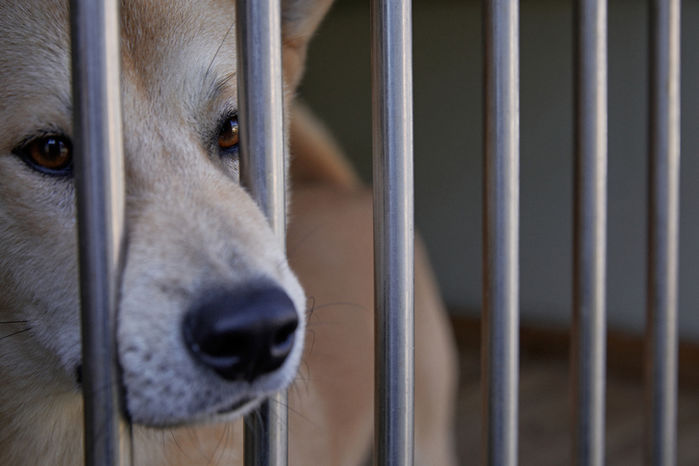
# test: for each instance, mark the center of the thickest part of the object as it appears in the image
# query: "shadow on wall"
(448, 147)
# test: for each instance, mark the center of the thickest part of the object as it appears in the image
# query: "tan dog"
(211, 317)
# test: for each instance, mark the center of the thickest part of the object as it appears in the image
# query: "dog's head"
(210, 317)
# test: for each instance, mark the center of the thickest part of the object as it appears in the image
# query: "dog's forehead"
(179, 47)
(34, 67)
(175, 51)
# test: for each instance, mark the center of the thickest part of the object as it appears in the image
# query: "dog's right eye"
(51, 154)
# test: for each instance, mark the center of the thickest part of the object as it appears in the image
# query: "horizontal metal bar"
(500, 347)
(99, 182)
(262, 149)
(663, 232)
(392, 89)
(588, 351)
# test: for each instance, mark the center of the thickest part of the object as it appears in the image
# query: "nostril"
(244, 334)
(284, 339)
(224, 343)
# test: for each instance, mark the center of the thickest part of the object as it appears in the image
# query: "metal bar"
(99, 183)
(663, 232)
(260, 97)
(392, 117)
(588, 342)
(500, 350)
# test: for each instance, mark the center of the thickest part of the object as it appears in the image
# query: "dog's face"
(210, 317)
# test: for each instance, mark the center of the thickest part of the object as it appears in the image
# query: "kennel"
(100, 200)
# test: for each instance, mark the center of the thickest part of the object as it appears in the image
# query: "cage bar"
(392, 97)
(663, 232)
(500, 342)
(588, 342)
(262, 162)
(99, 184)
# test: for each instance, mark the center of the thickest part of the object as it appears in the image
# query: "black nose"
(244, 334)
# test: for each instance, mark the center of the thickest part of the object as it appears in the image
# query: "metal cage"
(100, 188)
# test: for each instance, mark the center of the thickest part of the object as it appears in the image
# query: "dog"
(213, 316)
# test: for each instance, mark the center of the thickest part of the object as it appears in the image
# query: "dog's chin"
(237, 410)
(234, 408)
(232, 411)
(228, 403)
(227, 413)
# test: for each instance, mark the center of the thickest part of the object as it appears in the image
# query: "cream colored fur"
(190, 227)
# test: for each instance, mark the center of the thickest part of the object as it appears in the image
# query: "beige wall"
(448, 103)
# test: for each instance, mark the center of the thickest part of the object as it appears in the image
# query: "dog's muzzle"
(242, 334)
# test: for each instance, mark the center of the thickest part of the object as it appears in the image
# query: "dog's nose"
(242, 335)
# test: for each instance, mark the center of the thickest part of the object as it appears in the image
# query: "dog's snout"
(244, 334)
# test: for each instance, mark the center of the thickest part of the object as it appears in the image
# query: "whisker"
(311, 306)
(196, 440)
(295, 412)
(292, 249)
(356, 306)
(13, 322)
(15, 333)
(300, 383)
(312, 334)
(223, 41)
(218, 450)
(256, 414)
(177, 444)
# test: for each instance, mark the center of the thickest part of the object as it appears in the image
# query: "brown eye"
(228, 136)
(51, 153)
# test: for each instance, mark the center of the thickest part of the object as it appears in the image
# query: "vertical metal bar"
(392, 96)
(588, 344)
(99, 183)
(500, 350)
(260, 97)
(663, 232)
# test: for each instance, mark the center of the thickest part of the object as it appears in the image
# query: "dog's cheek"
(38, 266)
(156, 391)
(56, 316)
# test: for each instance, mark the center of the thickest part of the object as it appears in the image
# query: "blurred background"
(448, 159)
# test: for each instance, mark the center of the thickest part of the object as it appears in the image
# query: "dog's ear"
(300, 18)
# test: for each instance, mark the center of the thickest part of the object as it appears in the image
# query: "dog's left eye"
(228, 135)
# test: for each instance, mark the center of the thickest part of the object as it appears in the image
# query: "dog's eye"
(51, 154)
(228, 135)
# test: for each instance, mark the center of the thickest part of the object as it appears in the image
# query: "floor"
(544, 414)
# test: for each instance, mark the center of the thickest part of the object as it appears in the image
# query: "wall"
(448, 147)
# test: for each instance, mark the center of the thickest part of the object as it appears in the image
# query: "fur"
(191, 227)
